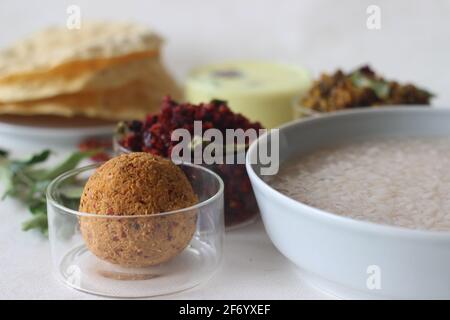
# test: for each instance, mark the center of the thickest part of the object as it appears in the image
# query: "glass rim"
(298, 106)
(55, 183)
(123, 149)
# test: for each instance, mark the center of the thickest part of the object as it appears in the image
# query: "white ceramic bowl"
(346, 257)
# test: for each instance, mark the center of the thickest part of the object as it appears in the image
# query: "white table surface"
(252, 268)
(412, 45)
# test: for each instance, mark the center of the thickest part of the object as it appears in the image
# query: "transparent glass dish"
(78, 267)
(300, 111)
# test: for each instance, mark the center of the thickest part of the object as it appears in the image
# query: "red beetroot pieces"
(154, 136)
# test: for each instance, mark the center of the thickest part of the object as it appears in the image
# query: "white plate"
(55, 130)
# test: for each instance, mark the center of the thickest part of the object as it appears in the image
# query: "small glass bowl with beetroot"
(154, 135)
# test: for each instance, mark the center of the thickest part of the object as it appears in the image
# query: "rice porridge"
(402, 181)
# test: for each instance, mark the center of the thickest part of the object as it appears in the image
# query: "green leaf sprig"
(27, 182)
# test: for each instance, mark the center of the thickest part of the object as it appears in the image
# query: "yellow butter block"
(261, 91)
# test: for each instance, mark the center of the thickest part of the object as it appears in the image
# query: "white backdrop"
(412, 44)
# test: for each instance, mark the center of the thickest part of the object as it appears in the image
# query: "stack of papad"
(103, 70)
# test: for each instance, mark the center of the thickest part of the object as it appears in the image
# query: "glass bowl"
(300, 111)
(241, 208)
(78, 267)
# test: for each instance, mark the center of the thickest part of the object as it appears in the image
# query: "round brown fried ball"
(137, 184)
